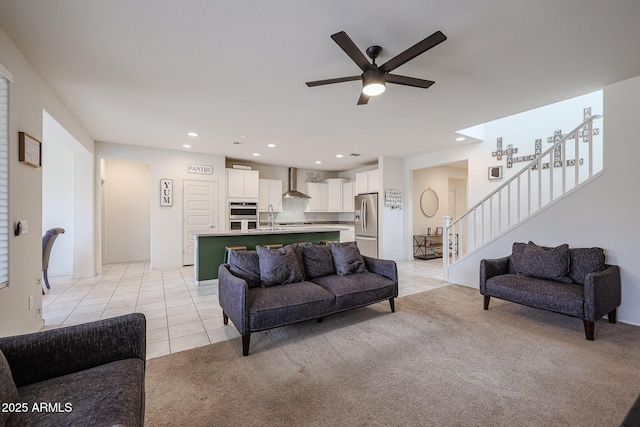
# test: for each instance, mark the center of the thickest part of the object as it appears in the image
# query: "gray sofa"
(576, 282)
(265, 289)
(85, 375)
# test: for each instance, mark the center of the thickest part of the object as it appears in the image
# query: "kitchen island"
(209, 247)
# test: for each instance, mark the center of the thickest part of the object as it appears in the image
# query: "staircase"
(568, 165)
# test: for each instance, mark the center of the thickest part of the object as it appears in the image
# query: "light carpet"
(439, 360)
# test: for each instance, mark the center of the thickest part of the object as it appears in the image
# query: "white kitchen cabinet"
(243, 184)
(319, 193)
(367, 182)
(334, 195)
(270, 194)
(348, 194)
(347, 235)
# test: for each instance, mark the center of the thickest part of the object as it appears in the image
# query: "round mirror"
(429, 203)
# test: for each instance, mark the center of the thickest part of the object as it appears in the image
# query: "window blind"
(4, 182)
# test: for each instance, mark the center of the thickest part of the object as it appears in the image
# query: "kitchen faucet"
(270, 216)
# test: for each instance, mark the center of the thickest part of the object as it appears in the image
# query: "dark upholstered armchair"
(95, 371)
(47, 243)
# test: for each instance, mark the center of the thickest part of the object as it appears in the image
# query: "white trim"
(6, 74)
(205, 282)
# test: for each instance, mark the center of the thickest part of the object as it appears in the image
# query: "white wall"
(127, 211)
(603, 213)
(166, 222)
(29, 96)
(390, 225)
(521, 130)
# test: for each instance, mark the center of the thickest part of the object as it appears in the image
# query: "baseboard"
(206, 282)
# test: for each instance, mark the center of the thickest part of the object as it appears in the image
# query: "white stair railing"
(540, 183)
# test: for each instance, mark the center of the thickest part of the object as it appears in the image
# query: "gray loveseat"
(265, 289)
(576, 282)
(85, 375)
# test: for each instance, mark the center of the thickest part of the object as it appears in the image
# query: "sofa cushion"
(281, 305)
(279, 266)
(546, 263)
(347, 258)
(540, 293)
(8, 390)
(246, 265)
(584, 261)
(317, 260)
(107, 395)
(358, 289)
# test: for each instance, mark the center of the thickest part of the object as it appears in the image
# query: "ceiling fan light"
(373, 89)
(373, 82)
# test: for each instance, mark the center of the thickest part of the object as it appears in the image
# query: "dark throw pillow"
(585, 261)
(317, 260)
(245, 265)
(517, 252)
(279, 266)
(546, 263)
(8, 390)
(347, 258)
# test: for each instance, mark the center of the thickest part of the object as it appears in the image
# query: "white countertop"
(277, 230)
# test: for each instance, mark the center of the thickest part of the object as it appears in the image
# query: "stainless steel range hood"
(293, 193)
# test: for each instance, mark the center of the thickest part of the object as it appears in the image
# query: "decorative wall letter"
(166, 192)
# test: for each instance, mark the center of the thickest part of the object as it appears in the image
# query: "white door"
(199, 213)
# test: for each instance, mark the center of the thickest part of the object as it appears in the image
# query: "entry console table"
(429, 246)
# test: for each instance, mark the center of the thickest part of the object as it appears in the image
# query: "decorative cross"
(500, 152)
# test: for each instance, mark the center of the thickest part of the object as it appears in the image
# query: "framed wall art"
(495, 172)
(29, 150)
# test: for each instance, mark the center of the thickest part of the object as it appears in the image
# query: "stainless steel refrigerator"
(366, 224)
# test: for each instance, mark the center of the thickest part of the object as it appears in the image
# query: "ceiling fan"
(374, 77)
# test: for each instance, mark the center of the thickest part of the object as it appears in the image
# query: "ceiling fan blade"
(415, 50)
(363, 99)
(330, 81)
(408, 81)
(350, 48)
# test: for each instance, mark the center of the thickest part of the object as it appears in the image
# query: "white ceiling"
(146, 72)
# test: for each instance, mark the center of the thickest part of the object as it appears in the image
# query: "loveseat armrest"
(602, 292)
(53, 353)
(383, 267)
(233, 296)
(490, 268)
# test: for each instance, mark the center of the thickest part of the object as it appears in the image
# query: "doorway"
(67, 200)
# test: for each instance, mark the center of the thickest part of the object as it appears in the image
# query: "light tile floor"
(180, 315)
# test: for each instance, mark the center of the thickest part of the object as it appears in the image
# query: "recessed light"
(271, 145)
(460, 138)
(192, 134)
(339, 156)
(186, 145)
(256, 154)
(318, 162)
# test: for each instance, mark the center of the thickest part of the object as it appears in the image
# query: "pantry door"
(199, 213)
